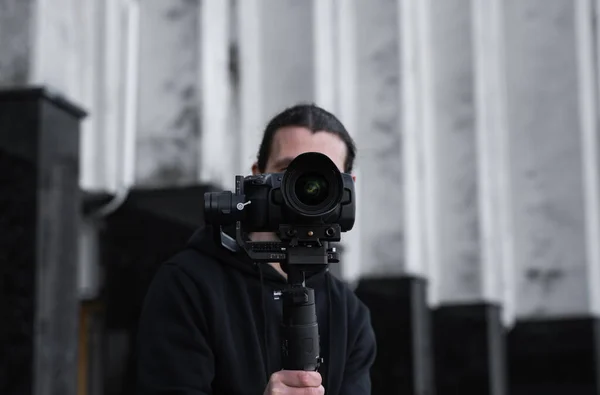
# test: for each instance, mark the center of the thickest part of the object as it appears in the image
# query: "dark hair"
(311, 117)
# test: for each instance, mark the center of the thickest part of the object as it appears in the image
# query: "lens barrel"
(220, 208)
(312, 185)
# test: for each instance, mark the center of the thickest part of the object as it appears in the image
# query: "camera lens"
(312, 185)
(312, 189)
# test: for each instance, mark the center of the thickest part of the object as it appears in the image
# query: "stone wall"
(476, 124)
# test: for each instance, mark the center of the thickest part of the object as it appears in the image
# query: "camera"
(310, 203)
(307, 206)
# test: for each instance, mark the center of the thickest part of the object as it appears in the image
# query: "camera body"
(312, 195)
(270, 207)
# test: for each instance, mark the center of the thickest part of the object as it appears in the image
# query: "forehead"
(290, 142)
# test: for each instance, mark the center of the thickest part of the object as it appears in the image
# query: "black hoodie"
(210, 325)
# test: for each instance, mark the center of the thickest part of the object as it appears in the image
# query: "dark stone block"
(554, 357)
(469, 344)
(401, 320)
(17, 257)
(39, 219)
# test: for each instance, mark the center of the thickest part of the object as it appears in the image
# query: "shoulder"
(357, 314)
(342, 291)
(189, 269)
(193, 263)
(361, 336)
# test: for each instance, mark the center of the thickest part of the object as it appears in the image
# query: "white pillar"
(109, 148)
(454, 252)
(218, 137)
(169, 123)
(454, 126)
(553, 131)
(276, 60)
(377, 132)
(418, 156)
(335, 90)
(66, 56)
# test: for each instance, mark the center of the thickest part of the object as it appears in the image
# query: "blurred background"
(477, 242)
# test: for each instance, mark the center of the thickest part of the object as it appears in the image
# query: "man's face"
(289, 142)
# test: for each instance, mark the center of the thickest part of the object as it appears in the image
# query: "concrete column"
(219, 151)
(169, 123)
(550, 126)
(108, 149)
(389, 124)
(459, 140)
(276, 65)
(379, 140)
(452, 118)
(416, 122)
(465, 205)
(553, 88)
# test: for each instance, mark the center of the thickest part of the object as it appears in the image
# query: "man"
(210, 324)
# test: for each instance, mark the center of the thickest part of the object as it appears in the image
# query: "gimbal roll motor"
(308, 206)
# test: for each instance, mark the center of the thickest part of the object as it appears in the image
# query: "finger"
(320, 390)
(299, 378)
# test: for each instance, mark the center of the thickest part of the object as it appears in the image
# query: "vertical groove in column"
(505, 185)
(112, 105)
(92, 13)
(430, 174)
(588, 112)
(417, 114)
(324, 24)
(346, 99)
(493, 174)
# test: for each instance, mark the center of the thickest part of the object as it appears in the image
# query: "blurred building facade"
(477, 128)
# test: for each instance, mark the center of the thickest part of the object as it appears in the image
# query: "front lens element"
(312, 189)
